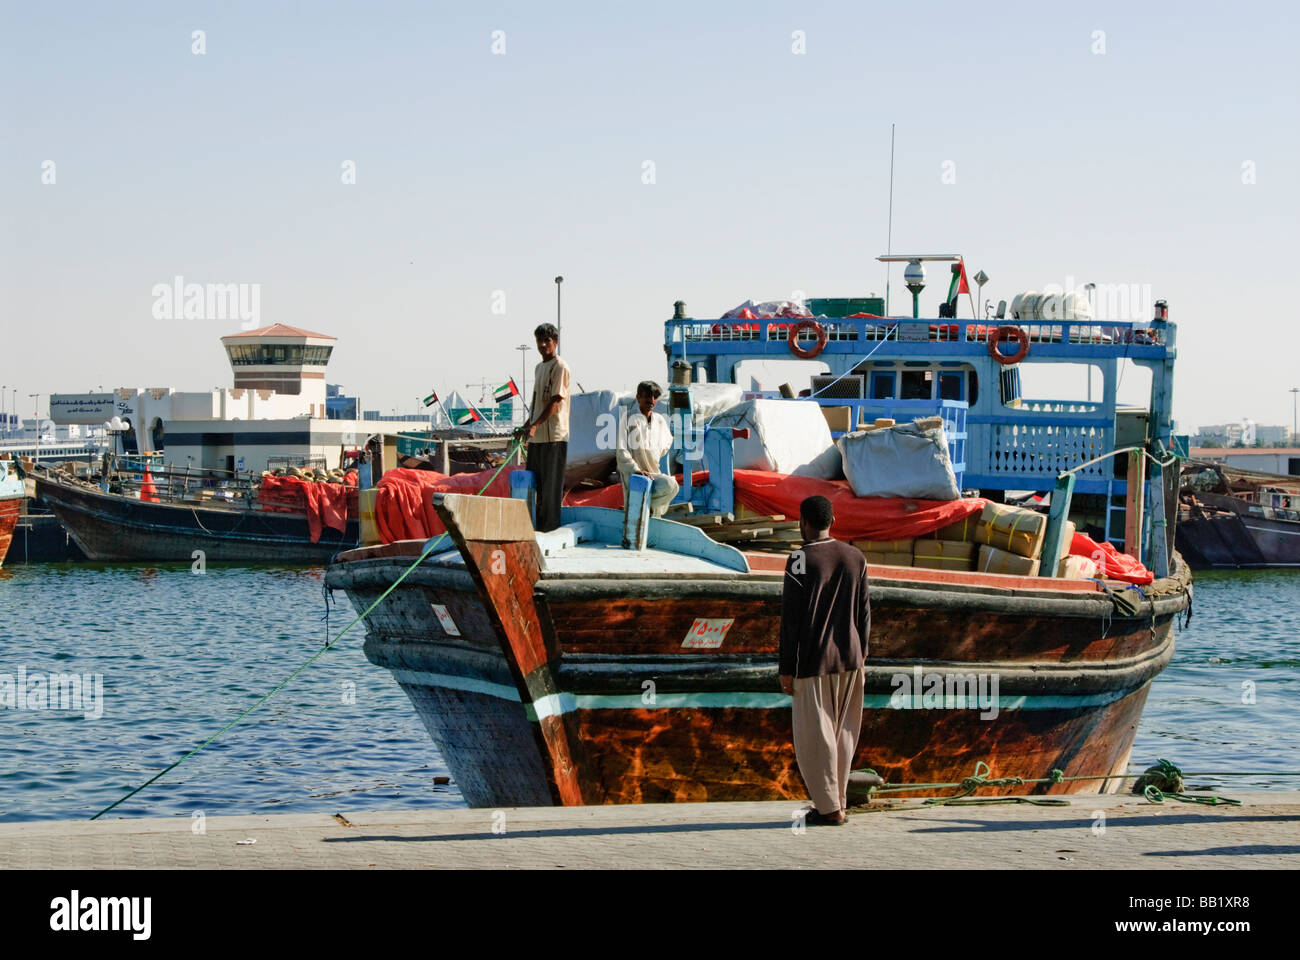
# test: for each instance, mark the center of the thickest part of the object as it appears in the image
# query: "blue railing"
(850, 335)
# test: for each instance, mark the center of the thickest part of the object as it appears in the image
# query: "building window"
(950, 386)
(916, 385)
(279, 355)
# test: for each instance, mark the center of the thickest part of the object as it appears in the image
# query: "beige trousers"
(827, 721)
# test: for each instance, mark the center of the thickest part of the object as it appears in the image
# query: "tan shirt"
(551, 378)
(642, 443)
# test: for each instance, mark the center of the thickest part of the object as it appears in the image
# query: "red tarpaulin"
(1111, 564)
(856, 518)
(404, 508)
(404, 503)
(325, 504)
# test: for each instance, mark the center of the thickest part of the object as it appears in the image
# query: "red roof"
(278, 330)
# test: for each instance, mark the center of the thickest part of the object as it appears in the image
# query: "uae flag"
(959, 278)
(469, 416)
(504, 392)
(431, 399)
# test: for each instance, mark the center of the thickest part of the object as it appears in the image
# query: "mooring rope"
(429, 547)
(1167, 783)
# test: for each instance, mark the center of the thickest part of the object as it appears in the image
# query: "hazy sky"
(1113, 143)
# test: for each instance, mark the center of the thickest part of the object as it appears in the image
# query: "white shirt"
(642, 443)
(551, 379)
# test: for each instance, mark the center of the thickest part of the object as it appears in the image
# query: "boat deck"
(603, 559)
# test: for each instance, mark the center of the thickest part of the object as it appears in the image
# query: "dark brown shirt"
(825, 610)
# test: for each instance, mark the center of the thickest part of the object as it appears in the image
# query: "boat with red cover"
(147, 519)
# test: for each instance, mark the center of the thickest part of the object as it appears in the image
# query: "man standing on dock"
(547, 431)
(825, 619)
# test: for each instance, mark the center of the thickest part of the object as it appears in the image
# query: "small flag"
(504, 392)
(469, 416)
(963, 286)
(431, 399)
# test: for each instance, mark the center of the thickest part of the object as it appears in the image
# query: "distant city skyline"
(411, 177)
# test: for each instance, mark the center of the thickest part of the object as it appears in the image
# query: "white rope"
(1107, 456)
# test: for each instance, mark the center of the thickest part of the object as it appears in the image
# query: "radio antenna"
(889, 236)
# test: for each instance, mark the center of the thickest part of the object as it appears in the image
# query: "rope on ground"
(429, 547)
(1164, 781)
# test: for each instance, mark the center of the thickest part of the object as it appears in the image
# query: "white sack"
(901, 461)
(785, 436)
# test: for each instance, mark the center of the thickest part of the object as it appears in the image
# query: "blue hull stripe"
(558, 704)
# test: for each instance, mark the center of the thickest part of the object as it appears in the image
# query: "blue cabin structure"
(913, 367)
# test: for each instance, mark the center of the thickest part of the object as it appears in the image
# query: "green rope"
(429, 547)
(1165, 783)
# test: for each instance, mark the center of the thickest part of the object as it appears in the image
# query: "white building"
(276, 408)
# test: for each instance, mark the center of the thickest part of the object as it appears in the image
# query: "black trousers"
(546, 463)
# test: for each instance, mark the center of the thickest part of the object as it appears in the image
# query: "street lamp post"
(1294, 391)
(559, 322)
(36, 416)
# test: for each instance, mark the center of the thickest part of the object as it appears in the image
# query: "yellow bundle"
(945, 554)
(888, 559)
(993, 560)
(1011, 529)
(885, 546)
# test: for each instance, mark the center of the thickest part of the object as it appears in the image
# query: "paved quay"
(1093, 832)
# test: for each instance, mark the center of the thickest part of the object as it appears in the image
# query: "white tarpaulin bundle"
(593, 434)
(902, 461)
(594, 418)
(785, 436)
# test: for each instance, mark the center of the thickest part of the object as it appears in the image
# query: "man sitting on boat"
(643, 439)
(825, 619)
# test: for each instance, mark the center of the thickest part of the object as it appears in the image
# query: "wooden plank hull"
(108, 527)
(620, 712)
(10, 508)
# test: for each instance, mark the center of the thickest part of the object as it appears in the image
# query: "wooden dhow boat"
(561, 668)
(178, 526)
(15, 488)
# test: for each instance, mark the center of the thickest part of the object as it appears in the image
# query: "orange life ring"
(792, 338)
(1015, 333)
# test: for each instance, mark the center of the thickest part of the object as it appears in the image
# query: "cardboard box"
(1067, 537)
(885, 546)
(889, 559)
(1077, 568)
(839, 419)
(944, 555)
(961, 530)
(1012, 529)
(993, 560)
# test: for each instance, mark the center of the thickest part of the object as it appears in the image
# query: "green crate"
(845, 306)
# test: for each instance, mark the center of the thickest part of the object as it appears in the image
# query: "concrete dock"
(1093, 832)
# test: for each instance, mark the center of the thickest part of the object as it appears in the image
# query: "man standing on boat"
(643, 439)
(547, 431)
(825, 619)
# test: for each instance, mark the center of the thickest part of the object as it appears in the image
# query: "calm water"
(182, 654)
